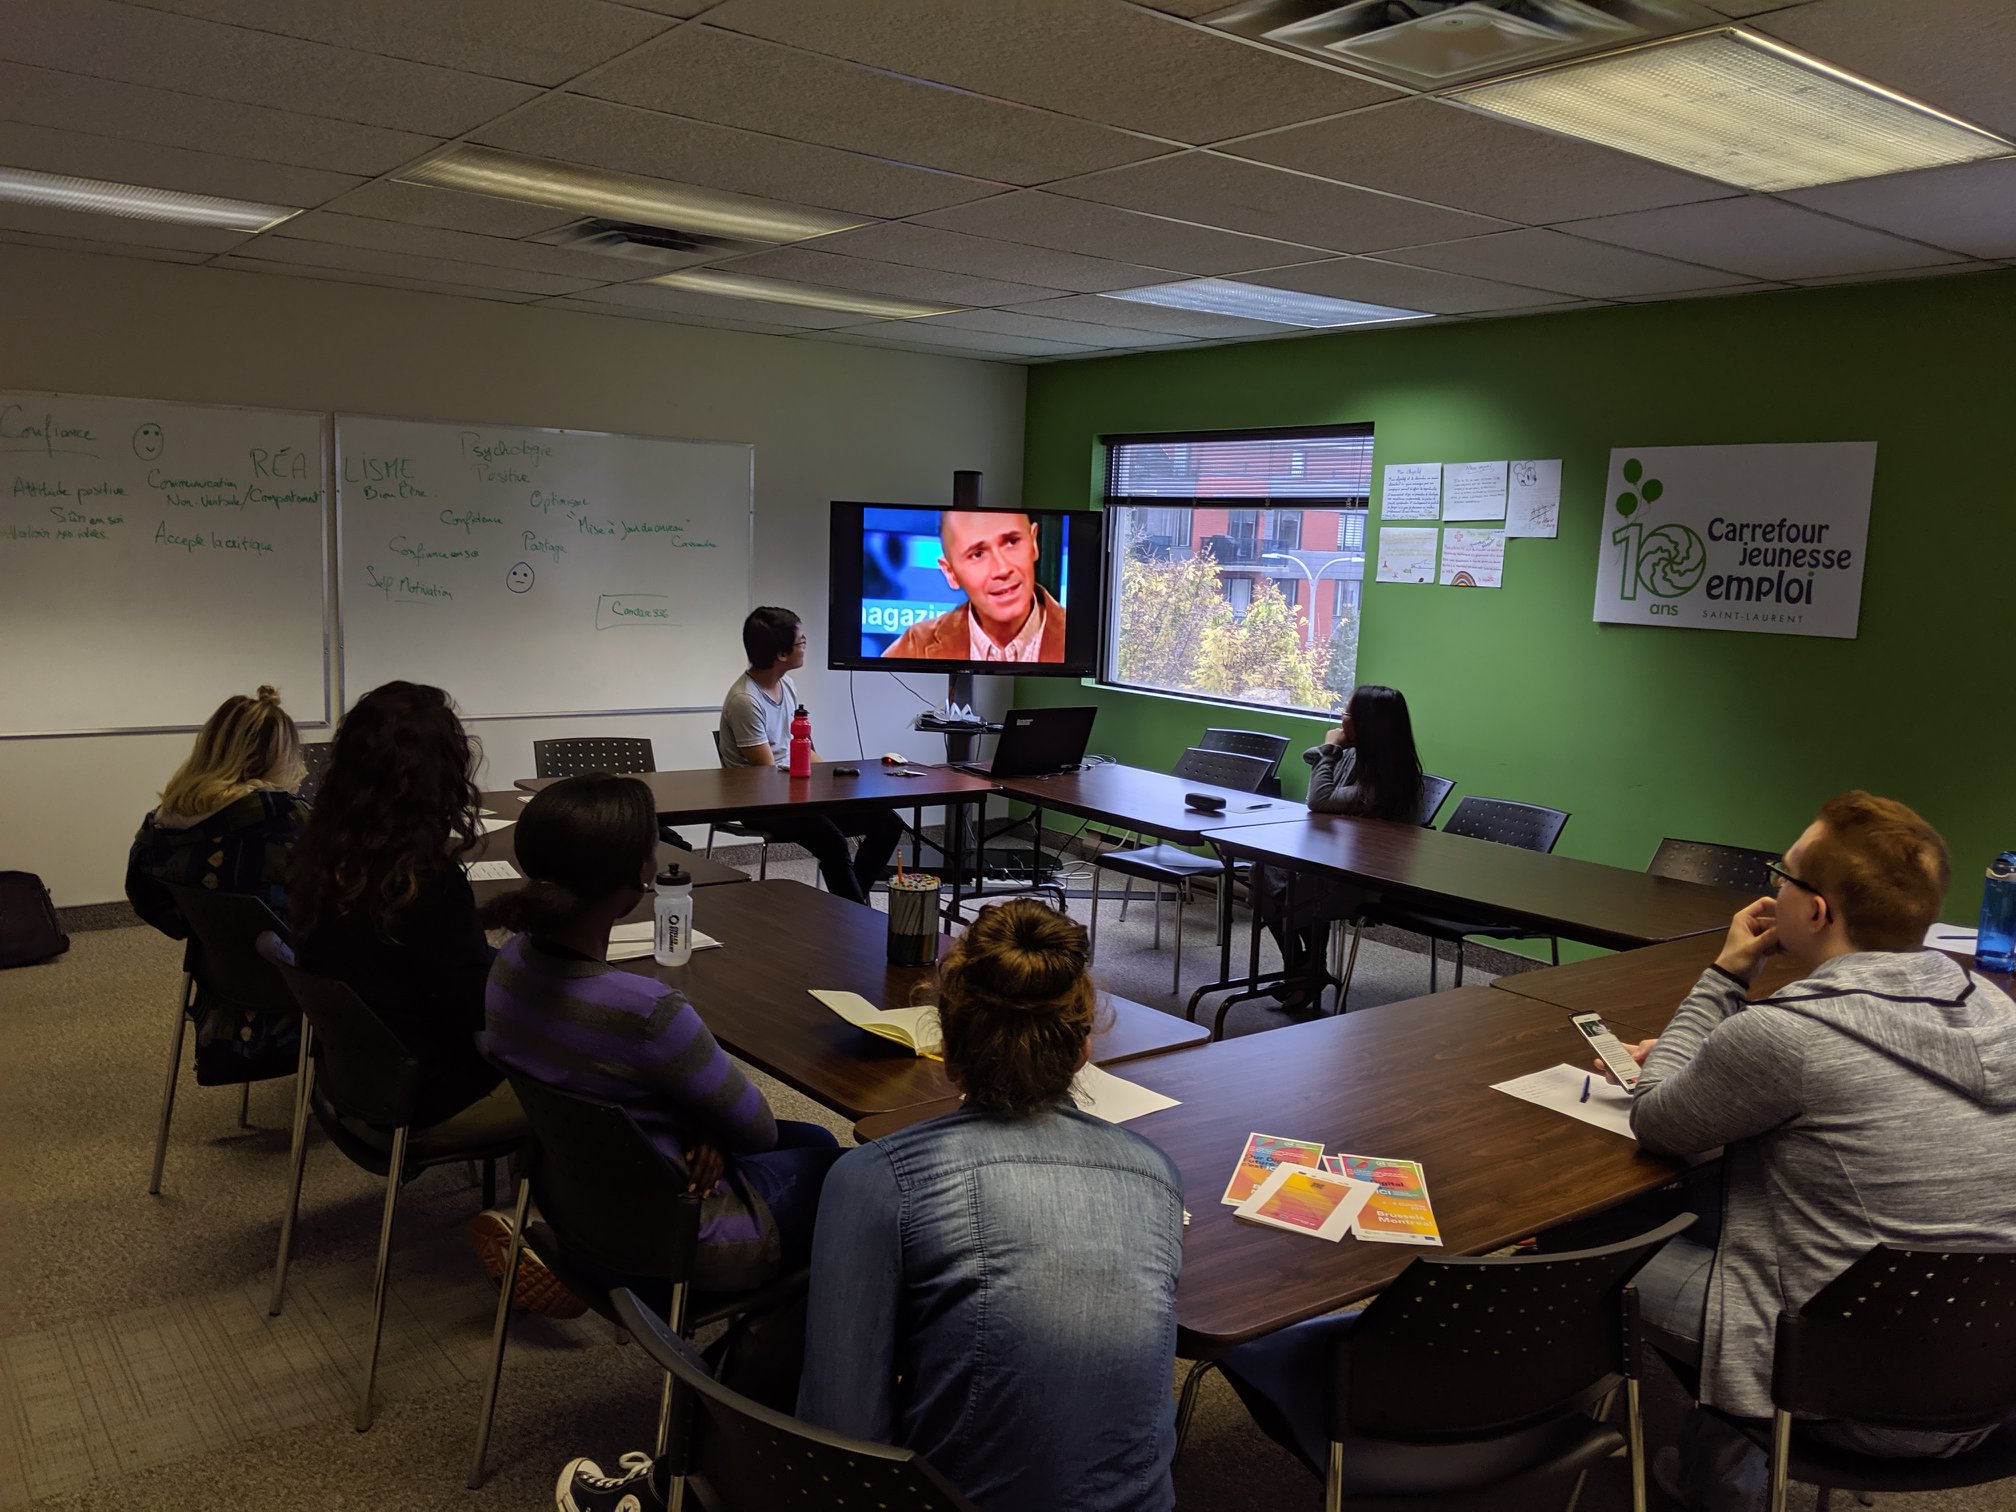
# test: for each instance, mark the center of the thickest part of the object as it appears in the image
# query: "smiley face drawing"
(147, 441)
(519, 578)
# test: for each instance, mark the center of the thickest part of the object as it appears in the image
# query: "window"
(1208, 594)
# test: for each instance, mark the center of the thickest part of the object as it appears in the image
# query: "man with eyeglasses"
(1873, 1101)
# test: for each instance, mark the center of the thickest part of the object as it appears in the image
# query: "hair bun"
(268, 693)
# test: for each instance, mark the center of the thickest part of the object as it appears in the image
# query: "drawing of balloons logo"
(1651, 489)
(1671, 561)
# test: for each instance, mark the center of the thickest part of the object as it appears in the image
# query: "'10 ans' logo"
(1667, 560)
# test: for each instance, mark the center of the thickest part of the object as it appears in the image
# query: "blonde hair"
(247, 745)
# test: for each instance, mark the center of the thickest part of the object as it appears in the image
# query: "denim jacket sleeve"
(857, 1282)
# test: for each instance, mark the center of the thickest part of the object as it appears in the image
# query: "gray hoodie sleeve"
(1330, 789)
(1719, 1073)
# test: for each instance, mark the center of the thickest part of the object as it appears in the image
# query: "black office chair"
(1718, 865)
(743, 831)
(740, 1456)
(315, 759)
(222, 967)
(1269, 748)
(1172, 866)
(362, 1086)
(1922, 1339)
(1529, 826)
(572, 755)
(1466, 1377)
(612, 1211)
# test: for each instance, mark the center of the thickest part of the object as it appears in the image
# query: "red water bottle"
(801, 743)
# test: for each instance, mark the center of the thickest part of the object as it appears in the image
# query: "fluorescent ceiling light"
(1738, 107)
(623, 196)
(59, 191)
(1224, 296)
(812, 296)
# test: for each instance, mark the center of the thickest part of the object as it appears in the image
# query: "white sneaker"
(583, 1487)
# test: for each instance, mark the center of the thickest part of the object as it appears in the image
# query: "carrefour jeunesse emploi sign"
(1768, 539)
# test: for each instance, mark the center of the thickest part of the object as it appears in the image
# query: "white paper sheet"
(492, 825)
(1473, 490)
(493, 871)
(524, 797)
(1473, 558)
(1412, 491)
(1954, 937)
(630, 942)
(1104, 1095)
(1407, 554)
(1533, 503)
(1560, 1088)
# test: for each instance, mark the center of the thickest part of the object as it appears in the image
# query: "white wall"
(829, 421)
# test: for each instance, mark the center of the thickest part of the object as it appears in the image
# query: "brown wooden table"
(1405, 1081)
(1152, 802)
(782, 939)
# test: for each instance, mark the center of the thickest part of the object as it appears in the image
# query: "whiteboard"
(540, 572)
(156, 558)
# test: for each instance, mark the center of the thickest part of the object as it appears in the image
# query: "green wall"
(1639, 731)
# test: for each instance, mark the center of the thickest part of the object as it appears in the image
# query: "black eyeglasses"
(1783, 876)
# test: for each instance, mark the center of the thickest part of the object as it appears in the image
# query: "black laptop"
(1037, 743)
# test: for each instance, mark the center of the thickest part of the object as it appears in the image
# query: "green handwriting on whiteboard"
(613, 610)
(400, 589)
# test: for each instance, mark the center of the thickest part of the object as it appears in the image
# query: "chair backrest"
(1463, 1348)
(360, 1065)
(1907, 1339)
(1719, 865)
(1435, 793)
(225, 928)
(573, 755)
(1526, 825)
(1226, 769)
(603, 1186)
(315, 758)
(1269, 748)
(745, 1457)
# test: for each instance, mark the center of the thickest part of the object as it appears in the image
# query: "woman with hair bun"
(996, 1288)
(557, 1011)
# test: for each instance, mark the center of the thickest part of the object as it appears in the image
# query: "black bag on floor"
(28, 928)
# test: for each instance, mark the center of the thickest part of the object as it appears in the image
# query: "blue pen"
(1585, 1089)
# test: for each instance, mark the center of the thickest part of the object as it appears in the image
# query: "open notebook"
(916, 1029)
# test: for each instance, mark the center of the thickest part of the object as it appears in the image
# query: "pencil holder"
(913, 919)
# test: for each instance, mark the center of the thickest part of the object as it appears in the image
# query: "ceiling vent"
(1437, 44)
(658, 245)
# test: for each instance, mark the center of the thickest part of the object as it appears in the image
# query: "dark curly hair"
(398, 800)
(1016, 1004)
(578, 841)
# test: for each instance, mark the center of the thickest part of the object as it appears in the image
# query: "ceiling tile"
(1959, 55)
(1564, 264)
(658, 297)
(1432, 151)
(273, 247)
(915, 348)
(1901, 275)
(948, 338)
(1048, 328)
(1141, 317)
(101, 248)
(982, 256)
(665, 317)
(719, 76)
(1070, 225)
(1737, 9)
(1386, 283)
(127, 162)
(537, 41)
(829, 271)
(109, 41)
(672, 7)
(380, 280)
(1252, 197)
(1970, 208)
(1190, 9)
(45, 220)
(1760, 237)
(424, 205)
(104, 107)
(466, 247)
(580, 130)
(1087, 58)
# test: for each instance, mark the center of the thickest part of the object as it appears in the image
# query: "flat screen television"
(917, 588)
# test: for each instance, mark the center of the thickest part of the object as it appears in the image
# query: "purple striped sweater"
(584, 1026)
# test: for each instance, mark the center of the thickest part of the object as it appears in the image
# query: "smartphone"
(1608, 1047)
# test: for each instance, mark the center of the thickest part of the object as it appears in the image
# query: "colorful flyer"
(1263, 1153)
(1307, 1202)
(1399, 1212)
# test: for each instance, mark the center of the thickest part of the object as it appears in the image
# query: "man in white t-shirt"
(756, 731)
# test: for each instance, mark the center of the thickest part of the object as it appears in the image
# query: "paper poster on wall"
(1473, 491)
(1533, 503)
(1473, 558)
(1768, 539)
(1412, 491)
(1406, 554)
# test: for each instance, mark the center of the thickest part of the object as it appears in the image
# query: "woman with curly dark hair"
(379, 900)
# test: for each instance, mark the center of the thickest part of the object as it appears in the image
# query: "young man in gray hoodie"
(1872, 1101)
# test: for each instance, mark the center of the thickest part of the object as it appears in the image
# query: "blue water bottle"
(1996, 948)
